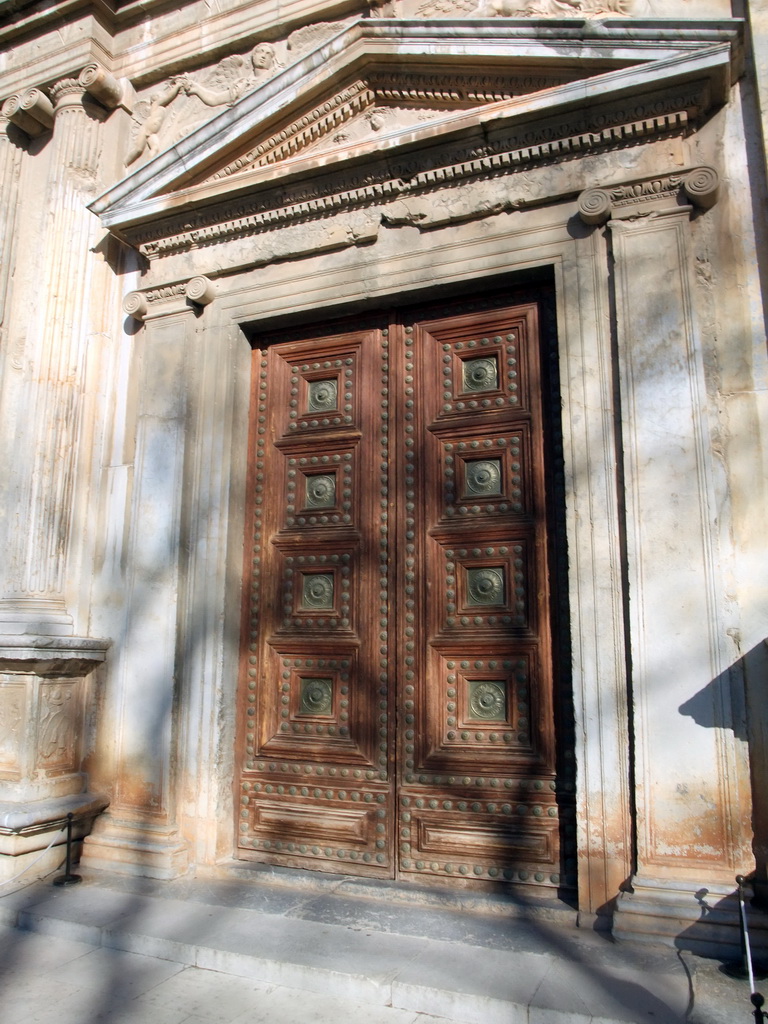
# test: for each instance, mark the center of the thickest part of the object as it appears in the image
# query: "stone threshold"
(510, 901)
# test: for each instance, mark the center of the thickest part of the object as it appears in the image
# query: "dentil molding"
(693, 186)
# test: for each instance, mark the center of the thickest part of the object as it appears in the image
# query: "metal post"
(757, 1002)
(68, 878)
(755, 997)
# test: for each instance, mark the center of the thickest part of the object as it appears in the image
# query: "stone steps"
(446, 954)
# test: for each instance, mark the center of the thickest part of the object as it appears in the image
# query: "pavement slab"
(214, 951)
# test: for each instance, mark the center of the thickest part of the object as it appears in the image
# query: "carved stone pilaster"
(140, 826)
(34, 599)
(691, 769)
(44, 685)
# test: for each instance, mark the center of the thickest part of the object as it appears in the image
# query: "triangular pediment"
(384, 91)
(383, 101)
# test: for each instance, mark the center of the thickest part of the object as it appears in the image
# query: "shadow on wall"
(743, 687)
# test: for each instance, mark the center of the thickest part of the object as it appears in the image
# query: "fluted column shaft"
(35, 598)
(10, 160)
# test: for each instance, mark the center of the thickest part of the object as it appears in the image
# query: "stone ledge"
(51, 655)
(42, 814)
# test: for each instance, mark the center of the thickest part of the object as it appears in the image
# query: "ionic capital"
(69, 95)
(102, 86)
(698, 185)
(170, 299)
(31, 111)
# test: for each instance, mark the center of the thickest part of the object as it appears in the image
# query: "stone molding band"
(247, 217)
(699, 185)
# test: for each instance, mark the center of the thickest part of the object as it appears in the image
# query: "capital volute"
(595, 206)
(135, 305)
(201, 290)
(103, 87)
(702, 187)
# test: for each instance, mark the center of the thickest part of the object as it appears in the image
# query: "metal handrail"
(755, 997)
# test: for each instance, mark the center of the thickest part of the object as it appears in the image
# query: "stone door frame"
(574, 255)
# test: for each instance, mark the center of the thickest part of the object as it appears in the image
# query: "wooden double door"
(397, 705)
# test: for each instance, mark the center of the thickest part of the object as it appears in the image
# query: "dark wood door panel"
(315, 783)
(476, 750)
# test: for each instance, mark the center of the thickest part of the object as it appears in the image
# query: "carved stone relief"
(530, 9)
(57, 726)
(12, 703)
(699, 186)
(416, 178)
(591, 9)
(383, 101)
(176, 108)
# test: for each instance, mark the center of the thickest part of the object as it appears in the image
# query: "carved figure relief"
(58, 710)
(188, 100)
(237, 75)
(553, 8)
(11, 724)
(148, 120)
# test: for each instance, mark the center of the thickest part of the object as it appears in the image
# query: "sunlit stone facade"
(184, 192)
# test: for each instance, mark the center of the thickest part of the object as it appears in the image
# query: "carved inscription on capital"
(169, 298)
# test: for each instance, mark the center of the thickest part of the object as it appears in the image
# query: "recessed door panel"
(316, 785)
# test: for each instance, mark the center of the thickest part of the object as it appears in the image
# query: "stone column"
(45, 689)
(139, 725)
(691, 767)
(11, 151)
(34, 600)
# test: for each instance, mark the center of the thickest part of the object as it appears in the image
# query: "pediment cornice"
(304, 144)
